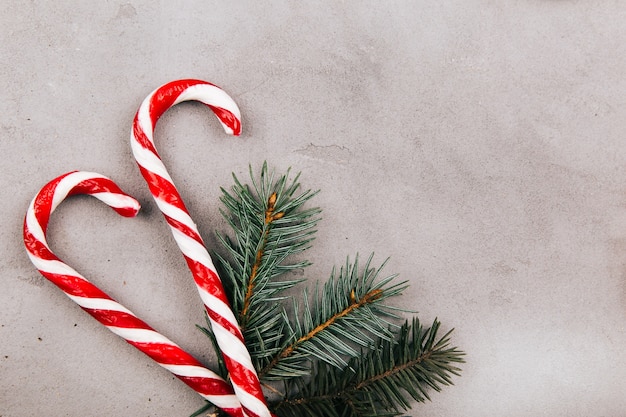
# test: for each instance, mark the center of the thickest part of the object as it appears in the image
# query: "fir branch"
(380, 383)
(269, 225)
(339, 354)
(348, 311)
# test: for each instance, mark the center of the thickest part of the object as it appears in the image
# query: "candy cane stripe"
(144, 148)
(191, 248)
(163, 188)
(205, 278)
(225, 325)
(116, 318)
(53, 267)
(105, 304)
(98, 304)
(140, 335)
(184, 229)
(166, 354)
(223, 322)
(249, 399)
(220, 308)
(186, 370)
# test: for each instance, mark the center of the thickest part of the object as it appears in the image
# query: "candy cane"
(223, 322)
(103, 308)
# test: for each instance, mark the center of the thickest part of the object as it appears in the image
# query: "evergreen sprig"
(348, 311)
(269, 226)
(339, 353)
(382, 382)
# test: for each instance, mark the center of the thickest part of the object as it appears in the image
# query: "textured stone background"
(479, 144)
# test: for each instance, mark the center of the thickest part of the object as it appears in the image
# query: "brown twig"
(270, 216)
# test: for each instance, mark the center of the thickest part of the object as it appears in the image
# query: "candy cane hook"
(223, 322)
(103, 308)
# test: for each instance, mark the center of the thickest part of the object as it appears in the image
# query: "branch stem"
(394, 370)
(270, 216)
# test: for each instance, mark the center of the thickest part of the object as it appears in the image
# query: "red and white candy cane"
(223, 322)
(103, 308)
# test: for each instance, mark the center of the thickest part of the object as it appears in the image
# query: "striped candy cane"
(223, 322)
(103, 308)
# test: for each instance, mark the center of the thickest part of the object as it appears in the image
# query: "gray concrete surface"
(479, 144)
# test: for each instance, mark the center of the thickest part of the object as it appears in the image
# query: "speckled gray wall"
(479, 144)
